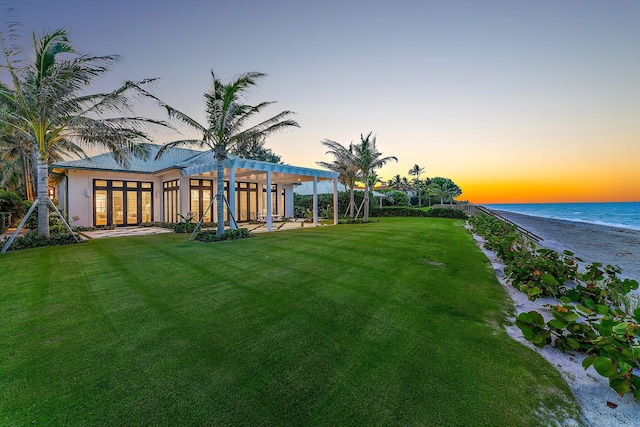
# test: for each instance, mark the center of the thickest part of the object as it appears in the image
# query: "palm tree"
(444, 188)
(438, 190)
(253, 148)
(396, 183)
(46, 105)
(343, 163)
(226, 125)
(368, 159)
(416, 171)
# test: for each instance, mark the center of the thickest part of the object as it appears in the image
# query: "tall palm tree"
(343, 163)
(444, 188)
(396, 182)
(368, 159)
(438, 190)
(47, 105)
(253, 148)
(226, 125)
(416, 171)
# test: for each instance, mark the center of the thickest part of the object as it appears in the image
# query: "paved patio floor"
(142, 231)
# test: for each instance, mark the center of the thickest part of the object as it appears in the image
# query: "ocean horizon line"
(624, 215)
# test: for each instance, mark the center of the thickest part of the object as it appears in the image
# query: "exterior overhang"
(249, 170)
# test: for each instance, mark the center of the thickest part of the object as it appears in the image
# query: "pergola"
(276, 173)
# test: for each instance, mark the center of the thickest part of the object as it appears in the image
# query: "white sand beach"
(590, 242)
(602, 407)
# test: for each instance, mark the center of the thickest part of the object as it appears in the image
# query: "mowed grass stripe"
(389, 323)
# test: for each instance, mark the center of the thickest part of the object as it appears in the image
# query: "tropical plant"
(16, 165)
(344, 164)
(367, 157)
(46, 104)
(416, 171)
(397, 183)
(253, 148)
(444, 189)
(226, 125)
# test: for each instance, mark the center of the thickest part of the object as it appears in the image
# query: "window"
(201, 191)
(122, 202)
(274, 198)
(171, 200)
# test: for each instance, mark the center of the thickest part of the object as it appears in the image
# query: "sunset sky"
(516, 101)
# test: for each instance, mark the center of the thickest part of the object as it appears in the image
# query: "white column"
(185, 195)
(288, 197)
(269, 222)
(335, 201)
(315, 201)
(232, 197)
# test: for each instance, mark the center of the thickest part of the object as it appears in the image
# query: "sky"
(515, 101)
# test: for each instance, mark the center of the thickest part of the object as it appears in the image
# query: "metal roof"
(191, 162)
(171, 158)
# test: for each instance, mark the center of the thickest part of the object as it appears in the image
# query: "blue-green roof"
(172, 158)
(190, 162)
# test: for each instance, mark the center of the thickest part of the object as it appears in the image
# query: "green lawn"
(389, 323)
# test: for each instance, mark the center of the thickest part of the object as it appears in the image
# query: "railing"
(472, 209)
(487, 211)
(469, 208)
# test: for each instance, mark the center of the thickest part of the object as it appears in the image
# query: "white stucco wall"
(80, 192)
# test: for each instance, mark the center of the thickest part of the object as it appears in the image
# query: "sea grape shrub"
(542, 272)
(615, 353)
(592, 316)
(603, 285)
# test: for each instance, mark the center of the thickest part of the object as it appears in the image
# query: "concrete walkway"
(125, 231)
(143, 231)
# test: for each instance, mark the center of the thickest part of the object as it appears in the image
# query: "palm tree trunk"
(220, 197)
(366, 198)
(43, 195)
(26, 175)
(34, 173)
(352, 201)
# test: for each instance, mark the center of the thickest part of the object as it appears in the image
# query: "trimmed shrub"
(447, 213)
(396, 211)
(210, 235)
(32, 240)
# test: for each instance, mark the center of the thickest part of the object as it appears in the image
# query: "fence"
(472, 209)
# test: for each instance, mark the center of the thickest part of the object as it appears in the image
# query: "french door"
(122, 203)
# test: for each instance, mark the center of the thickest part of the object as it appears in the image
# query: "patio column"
(232, 197)
(315, 201)
(335, 201)
(269, 222)
(185, 195)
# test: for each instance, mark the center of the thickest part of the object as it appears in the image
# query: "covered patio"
(182, 183)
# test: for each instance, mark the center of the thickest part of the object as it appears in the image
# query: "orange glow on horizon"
(529, 191)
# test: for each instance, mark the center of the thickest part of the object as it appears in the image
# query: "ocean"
(619, 214)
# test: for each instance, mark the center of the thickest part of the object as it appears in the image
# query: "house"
(100, 192)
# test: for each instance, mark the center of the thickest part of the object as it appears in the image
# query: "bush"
(395, 198)
(32, 240)
(593, 312)
(447, 213)
(12, 203)
(231, 234)
(4, 221)
(354, 221)
(404, 211)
